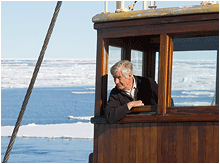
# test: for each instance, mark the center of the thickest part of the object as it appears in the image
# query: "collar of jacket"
(138, 80)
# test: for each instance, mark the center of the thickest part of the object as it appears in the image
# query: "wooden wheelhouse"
(169, 134)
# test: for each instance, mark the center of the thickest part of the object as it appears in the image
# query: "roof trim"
(162, 12)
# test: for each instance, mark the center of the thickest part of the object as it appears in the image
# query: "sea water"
(42, 150)
(48, 105)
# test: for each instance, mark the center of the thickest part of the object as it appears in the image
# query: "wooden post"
(169, 78)
(101, 86)
(126, 50)
(149, 64)
(165, 70)
(101, 75)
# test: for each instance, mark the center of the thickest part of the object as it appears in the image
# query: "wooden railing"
(174, 114)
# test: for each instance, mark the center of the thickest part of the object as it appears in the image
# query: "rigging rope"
(31, 85)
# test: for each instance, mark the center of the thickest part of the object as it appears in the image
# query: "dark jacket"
(116, 108)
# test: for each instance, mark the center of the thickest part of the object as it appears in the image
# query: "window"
(194, 72)
(114, 56)
(136, 59)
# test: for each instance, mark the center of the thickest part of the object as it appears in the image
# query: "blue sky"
(24, 25)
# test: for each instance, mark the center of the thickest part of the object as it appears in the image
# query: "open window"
(141, 51)
(115, 55)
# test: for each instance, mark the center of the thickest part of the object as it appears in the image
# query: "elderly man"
(130, 91)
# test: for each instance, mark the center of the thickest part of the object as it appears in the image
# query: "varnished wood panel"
(186, 141)
(157, 142)
(216, 141)
(139, 143)
(95, 147)
(171, 118)
(192, 109)
(194, 142)
(164, 142)
(120, 138)
(132, 142)
(209, 142)
(201, 150)
(126, 153)
(153, 142)
(189, 29)
(179, 143)
(171, 143)
(146, 108)
(107, 142)
(113, 143)
(146, 142)
(101, 131)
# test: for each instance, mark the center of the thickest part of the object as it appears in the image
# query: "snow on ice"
(52, 131)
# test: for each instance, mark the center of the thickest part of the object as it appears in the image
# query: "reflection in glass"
(136, 59)
(114, 56)
(194, 78)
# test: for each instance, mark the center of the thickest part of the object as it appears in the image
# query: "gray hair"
(125, 66)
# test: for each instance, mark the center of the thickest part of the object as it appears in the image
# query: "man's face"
(122, 82)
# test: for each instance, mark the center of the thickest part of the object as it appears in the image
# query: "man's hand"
(134, 104)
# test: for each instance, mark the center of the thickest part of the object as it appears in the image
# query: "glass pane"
(136, 59)
(114, 56)
(194, 78)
